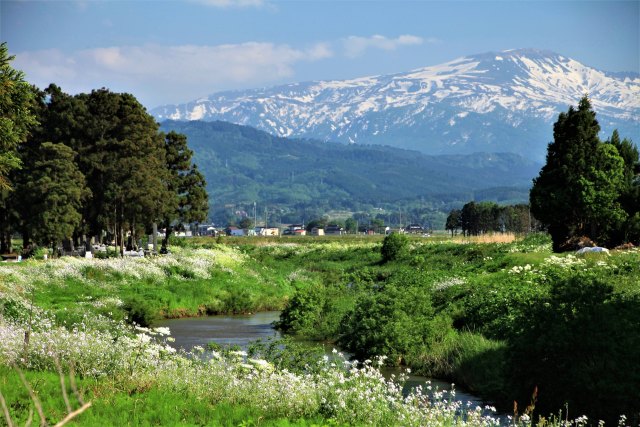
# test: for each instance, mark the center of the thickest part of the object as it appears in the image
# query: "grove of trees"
(477, 218)
(92, 164)
(588, 188)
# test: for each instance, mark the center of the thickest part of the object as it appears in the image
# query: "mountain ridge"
(490, 102)
(243, 165)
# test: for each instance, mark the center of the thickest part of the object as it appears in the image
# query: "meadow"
(510, 321)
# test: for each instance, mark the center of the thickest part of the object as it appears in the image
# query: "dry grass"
(487, 238)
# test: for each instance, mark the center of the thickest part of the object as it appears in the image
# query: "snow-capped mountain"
(489, 102)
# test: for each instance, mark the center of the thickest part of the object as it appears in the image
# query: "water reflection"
(225, 330)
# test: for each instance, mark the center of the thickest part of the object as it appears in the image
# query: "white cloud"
(166, 74)
(355, 46)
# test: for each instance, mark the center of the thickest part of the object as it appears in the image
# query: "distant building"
(206, 230)
(316, 231)
(234, 231)
(414, 229)
(267, 231)
(294, 229)
(333, 230)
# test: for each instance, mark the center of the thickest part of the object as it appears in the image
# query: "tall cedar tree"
(122, 154)
(187, 199)
(57, 115)
(52, 195)
(16, 119)
(577, 189)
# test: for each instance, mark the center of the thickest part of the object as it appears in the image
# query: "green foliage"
(52, 194)
(495, 309)
(454, 221)
(287, 353)
(393, 247)
(579, 189)
(580, 346)
(140, 311)
(471, 359)
(97, 162)
(393, 320)
(17, 119)
(186, 199)
(16, 114)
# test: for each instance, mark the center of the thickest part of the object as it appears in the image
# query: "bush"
(394, 246)
(140, 311)
(394, 320)
(580, 347)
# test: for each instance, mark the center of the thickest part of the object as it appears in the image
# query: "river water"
(242, 329)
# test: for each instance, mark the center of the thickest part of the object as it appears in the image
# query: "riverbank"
(489, 289)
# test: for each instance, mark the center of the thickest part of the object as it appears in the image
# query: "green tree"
(246, 223)
(378, 225)
(453, 221)
(600, 191)
(16, 120)
(630, 191)
(318, 222)
(122, 154)
(470, 219)
(394, 246)
(53, 194)
(351, 225)
(186, 200)
(16, 114)
(579, 177)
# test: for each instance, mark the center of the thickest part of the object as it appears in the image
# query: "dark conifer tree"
(16, 121)
(575, 193)
(186, 200)
(52, 194)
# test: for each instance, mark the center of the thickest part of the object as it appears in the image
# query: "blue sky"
(171, 51)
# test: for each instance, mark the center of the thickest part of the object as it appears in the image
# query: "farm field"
(508, 320)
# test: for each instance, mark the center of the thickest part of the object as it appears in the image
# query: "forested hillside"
(303, 178)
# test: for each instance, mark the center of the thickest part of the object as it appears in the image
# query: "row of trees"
(588, 188)
(485, 217)
(88, 165)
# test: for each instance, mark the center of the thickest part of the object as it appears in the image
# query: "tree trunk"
(165, 241)
(5, 242)
(155, 238)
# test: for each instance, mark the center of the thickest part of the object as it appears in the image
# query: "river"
(242, 329)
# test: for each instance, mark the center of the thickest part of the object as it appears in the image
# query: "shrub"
(580, 346)
(394, 320)
(140, 311)
(394, 246)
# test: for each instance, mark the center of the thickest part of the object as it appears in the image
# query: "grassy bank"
(501, 318)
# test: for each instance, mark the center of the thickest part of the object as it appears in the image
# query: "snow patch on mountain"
(487, 102)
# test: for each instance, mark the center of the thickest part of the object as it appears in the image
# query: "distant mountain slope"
(492, 102)
(243, 165)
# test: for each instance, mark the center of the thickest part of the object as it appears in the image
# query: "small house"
(334, 230)
(234, 231)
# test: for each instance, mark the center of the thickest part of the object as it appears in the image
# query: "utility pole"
(265, 217)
